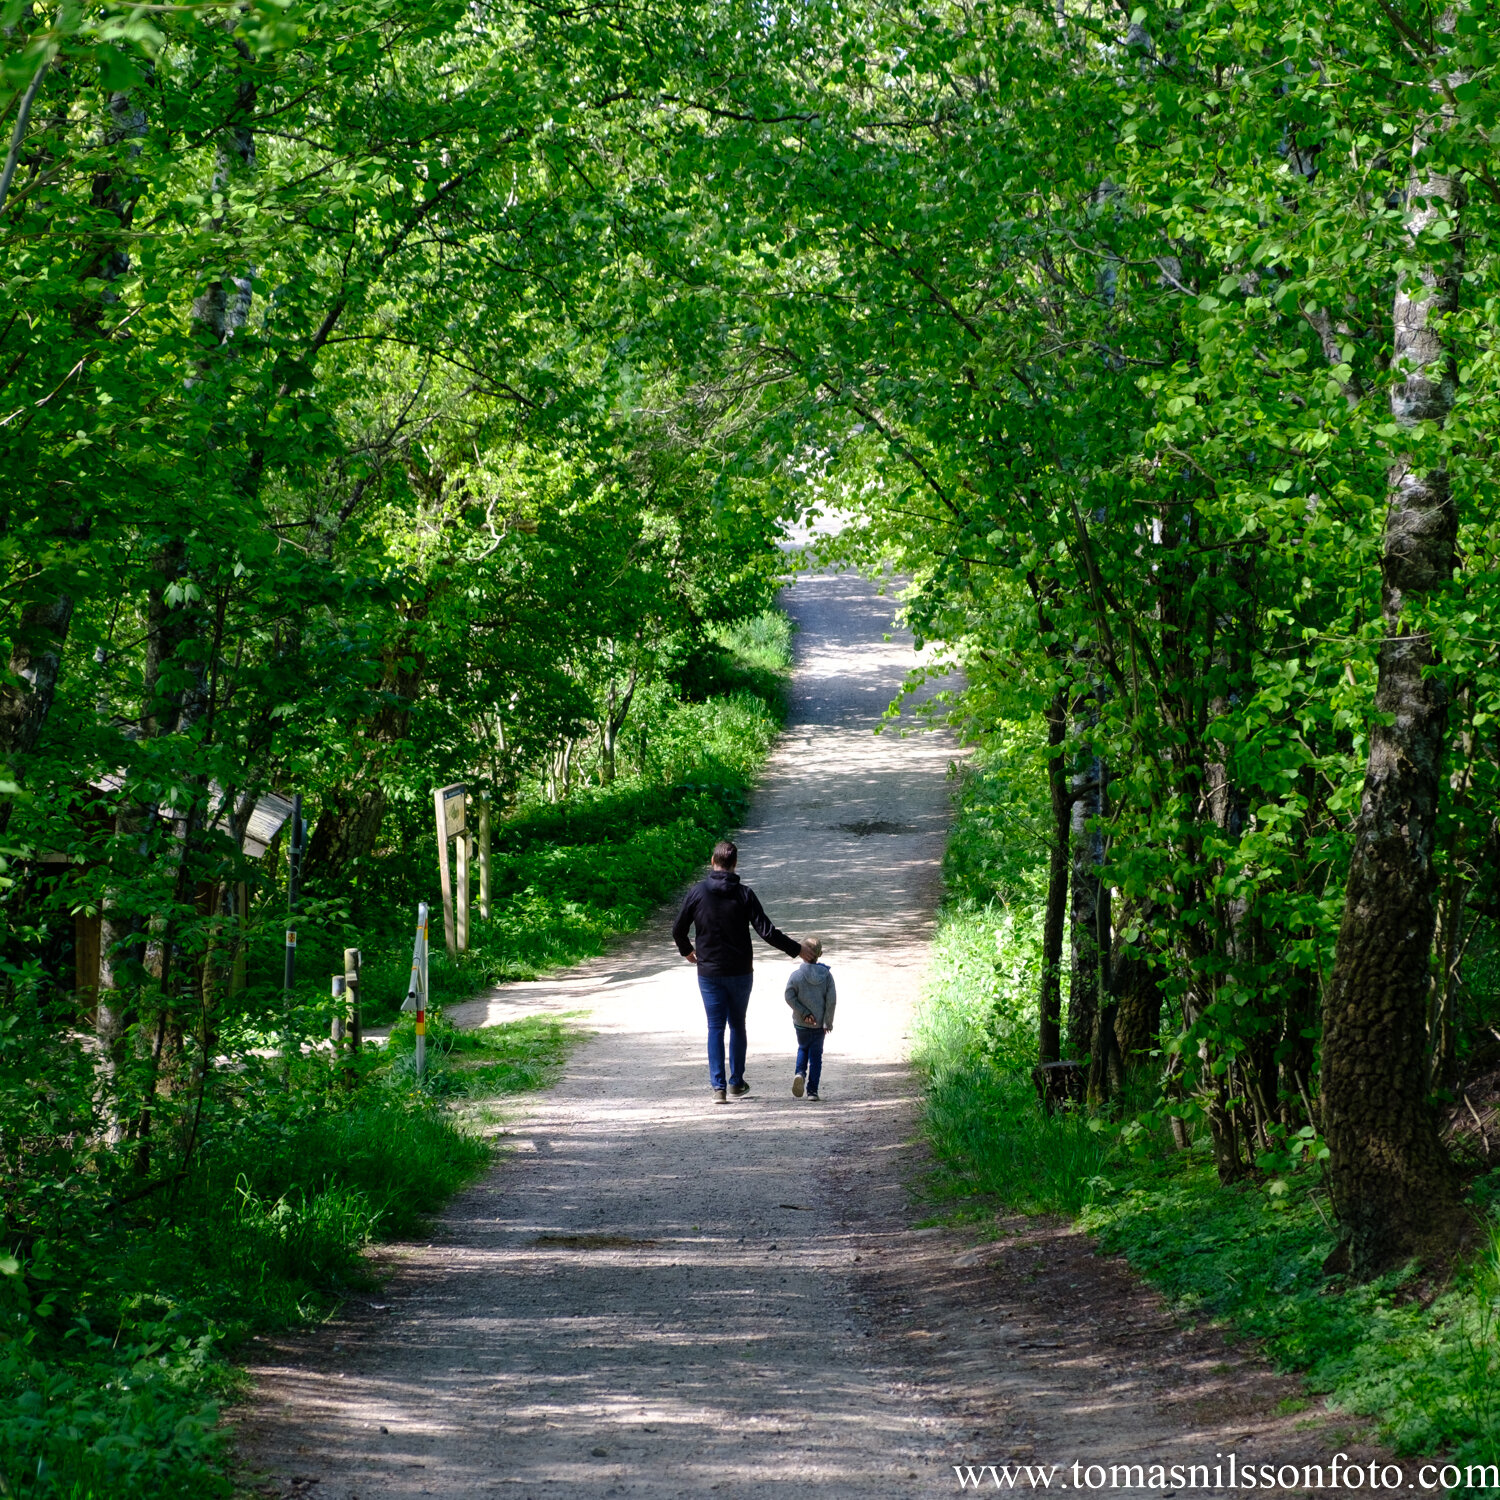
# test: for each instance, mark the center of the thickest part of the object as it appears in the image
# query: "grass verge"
(118, 1329)
(1423, 1368)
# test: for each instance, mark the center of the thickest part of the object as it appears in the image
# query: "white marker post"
(416, 993)
(448, 807)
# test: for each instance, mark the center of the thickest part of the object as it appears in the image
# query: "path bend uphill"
(656, 1296)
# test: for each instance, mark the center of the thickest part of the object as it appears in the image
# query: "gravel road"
(656, 1296)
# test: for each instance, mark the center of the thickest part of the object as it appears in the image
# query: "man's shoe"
(719, 1096)
(739, 1090)
(813, 1095)
(797, 1085)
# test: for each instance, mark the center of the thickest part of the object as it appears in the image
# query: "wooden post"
(448, 809)
(450, 937)
(289, 954)
(351, 987)
(417, 991)
(461, 855)
(293, 880)
(241, 943)
(484, 856)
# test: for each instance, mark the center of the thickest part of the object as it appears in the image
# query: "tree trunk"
(616, 711)
(1088, 891)
(348, 828)
(35, 659)
(1393, 1187)
(121, 967)
(1137, 994)
(1106, 1072)
(349, 820)
(173, 699)
(1299, 1009)
(36, 648)
(1049, 1002)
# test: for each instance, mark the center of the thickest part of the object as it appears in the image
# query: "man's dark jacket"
(724, 910)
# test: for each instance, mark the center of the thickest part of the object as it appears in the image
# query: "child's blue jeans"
(810, 1054)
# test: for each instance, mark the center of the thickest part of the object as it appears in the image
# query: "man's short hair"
(725, 855)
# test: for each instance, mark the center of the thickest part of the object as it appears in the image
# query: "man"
(722, 910)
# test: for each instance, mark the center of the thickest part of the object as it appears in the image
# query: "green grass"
(974, 1040)
(118, 1330)
(1424, 1370)
(1427, 1373)
(488, 1061)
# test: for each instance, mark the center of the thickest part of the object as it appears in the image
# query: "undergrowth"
(570, 876)
(511, 1058)
(1426, 1372)
(119, 1317)
(126, 1285)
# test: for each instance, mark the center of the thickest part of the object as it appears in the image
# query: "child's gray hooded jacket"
(810, 992)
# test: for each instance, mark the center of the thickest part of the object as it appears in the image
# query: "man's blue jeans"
(726, 998)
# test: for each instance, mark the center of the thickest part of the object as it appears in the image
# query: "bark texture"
(42, 631)
(617, 703)
(1049, 1006)
(1088, 902)
(1393, 1187)
(348, 825)
(1136, 993)
(35, 659)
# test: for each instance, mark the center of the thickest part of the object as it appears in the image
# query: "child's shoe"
(813, 1095)
(797, 1083)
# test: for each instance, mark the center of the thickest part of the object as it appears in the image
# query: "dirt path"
(656, 1296)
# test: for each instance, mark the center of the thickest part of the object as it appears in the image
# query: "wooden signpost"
(448, 804)
(347, 1030)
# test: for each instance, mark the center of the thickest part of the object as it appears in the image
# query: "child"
(811, 995)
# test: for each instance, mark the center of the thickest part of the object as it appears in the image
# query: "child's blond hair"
(812, 949)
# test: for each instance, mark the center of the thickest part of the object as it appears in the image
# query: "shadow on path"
(657, 1296)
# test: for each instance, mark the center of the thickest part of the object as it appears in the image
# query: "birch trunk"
(174, 700)
(42, 631)
(1393, 1187)
(35, 659)
(1049, 1004)
(1088, 900)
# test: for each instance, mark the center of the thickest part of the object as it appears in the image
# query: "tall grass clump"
(975, 1042)
(975, 1035)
